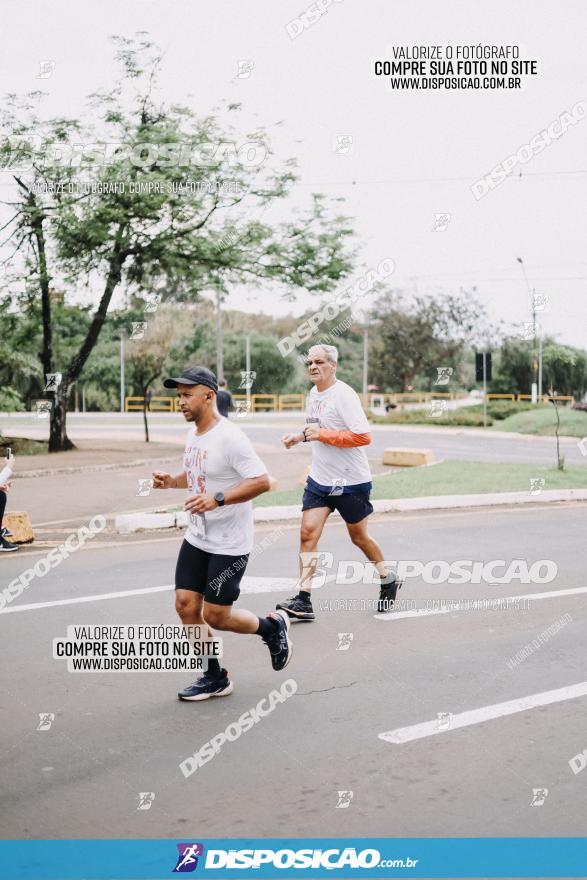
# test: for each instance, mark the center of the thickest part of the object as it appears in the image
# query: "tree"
(563, 368)
(514, 367)
(174, 208)
(413, 336)
(147, 357)
(558, 362)
(272, 371)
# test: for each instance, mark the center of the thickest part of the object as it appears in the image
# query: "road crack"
(335, 687)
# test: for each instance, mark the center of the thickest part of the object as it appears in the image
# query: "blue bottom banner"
(285, 858)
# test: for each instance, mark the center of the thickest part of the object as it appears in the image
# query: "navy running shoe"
(387, 595)
(206, 687)
(298, 607)
(7, 547)
(279, 642)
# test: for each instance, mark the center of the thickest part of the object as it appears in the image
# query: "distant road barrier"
(547, 397)
(284, 402)
(157, 404)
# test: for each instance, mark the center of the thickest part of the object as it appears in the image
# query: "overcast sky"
(414, 153)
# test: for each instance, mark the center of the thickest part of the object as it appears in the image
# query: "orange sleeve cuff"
(343, 439)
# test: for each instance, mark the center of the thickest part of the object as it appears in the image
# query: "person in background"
(224, 399)
(5, 484)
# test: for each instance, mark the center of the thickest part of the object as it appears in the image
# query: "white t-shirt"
(339, 407)
(216, 461)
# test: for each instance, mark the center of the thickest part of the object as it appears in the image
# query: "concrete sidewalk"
(103, 477)
(90, 455)
(127, 523)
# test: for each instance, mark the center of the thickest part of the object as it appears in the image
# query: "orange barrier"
(284, 402)
(158, 404)
(547, 397)
(291, 401)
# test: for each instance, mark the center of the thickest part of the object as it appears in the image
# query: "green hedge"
(10, 400)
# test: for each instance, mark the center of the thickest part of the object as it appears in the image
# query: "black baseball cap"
(194, 376)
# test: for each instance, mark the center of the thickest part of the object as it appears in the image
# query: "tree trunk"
(58, 439)
(145, 415)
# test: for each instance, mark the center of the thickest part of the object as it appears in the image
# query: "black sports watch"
(219, 499)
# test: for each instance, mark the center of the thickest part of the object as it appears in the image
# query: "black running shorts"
(215, 575)
(352, 506)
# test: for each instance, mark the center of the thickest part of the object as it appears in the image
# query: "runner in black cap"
(222, 473)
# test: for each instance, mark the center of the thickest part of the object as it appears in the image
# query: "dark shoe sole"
(223, 693)
(387, 602)
(285, 617)
(297, 615)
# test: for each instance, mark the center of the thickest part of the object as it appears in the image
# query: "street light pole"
(248, 369)
(365, 362)
(122, 377)
(219, 357)
(535, 367)
(484, 389)
(540, 341)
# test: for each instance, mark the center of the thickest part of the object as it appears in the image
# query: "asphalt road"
(116, 735)
(267, 429)
(76, 497)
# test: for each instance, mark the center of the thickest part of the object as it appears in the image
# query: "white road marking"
(454, 608)
(485, 713)
(265, 584)
(248, 585)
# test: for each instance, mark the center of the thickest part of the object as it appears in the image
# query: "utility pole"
(535, 356)
(540, 367)
(484, 389)
(365, 363)
(219, 357)
(122, 378)
(248, 369)
(535, 367)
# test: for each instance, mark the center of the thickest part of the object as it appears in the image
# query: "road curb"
(88, 468)
(127, 523)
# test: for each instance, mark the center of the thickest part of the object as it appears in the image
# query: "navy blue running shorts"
(352, 506)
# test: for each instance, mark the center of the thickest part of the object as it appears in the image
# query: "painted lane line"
(248, 585)
(254, 585)
(485, 713)
(428, 612)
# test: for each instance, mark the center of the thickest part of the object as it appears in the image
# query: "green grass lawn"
(542, 420)
(454, 478)
(502, 416)
(23, 446)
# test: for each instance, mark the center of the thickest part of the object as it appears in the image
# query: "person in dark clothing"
(224, 399)
(5, 473)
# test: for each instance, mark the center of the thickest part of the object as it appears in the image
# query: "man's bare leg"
(389, 583)
(299, 607)
(194, 611)
(313, 522)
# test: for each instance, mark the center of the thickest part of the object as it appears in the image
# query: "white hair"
(331, 352)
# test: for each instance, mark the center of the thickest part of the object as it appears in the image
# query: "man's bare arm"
(161, 480)
(249, 488)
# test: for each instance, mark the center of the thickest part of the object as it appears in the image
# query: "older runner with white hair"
(339, 479)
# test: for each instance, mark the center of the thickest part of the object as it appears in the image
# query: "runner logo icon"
(187, 859)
